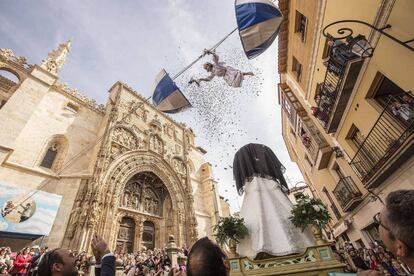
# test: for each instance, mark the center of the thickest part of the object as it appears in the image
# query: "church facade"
(124, 170)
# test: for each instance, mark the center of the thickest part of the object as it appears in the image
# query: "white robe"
(266, 211)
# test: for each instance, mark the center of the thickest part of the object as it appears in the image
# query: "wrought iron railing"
(339, 57)
(311, 138)
(393, 129)
(347, 193)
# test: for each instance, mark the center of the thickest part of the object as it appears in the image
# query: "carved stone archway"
(121, 170)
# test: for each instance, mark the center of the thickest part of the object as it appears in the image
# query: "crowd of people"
(25, 262)
(151, 262)
(395, 257)
(375, 258)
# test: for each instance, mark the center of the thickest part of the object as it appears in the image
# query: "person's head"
(25, 250)
(208, 66)
(206, 258)
(58, 262)
(396, 224)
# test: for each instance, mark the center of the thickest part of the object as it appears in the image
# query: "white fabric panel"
(240, 2)
(158, 78)
(259, 33)
(266, 211)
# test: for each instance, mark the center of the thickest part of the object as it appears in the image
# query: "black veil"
(257, 160)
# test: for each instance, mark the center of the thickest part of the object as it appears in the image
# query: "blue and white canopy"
(167, 96)
(258, 22)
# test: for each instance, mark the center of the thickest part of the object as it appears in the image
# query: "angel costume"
(232, 76)
(266, 208)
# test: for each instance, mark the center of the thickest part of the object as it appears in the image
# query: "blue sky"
(132, 40)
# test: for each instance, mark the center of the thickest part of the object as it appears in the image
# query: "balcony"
(342, 71)
(347, 194)
(315, 145)
(389, 143)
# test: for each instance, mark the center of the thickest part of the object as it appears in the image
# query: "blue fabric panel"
(164, 88)
(253, 13)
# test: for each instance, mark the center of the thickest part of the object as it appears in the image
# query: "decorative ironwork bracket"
(347, 32)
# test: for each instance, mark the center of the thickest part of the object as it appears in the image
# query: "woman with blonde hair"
(232, 76)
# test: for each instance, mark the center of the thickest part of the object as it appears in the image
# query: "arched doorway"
(146, 199)
(125, 240)
(148, 235)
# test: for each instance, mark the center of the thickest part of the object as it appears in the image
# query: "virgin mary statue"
(266, 208)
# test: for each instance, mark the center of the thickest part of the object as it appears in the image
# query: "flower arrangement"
(310, 211)
(230, 228)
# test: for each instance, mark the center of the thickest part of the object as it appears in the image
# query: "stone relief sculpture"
(132, 196)
(151, 203)
(178, 166)
(124, 137)
(156, 144)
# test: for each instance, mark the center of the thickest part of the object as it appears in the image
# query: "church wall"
(37, 114)
(30, 119)
(19, 108)
(51, 118)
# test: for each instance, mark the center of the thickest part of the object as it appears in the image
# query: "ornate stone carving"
(156, 144)
(178, 165)
(8, 55)
(169, 129)
(151, 202)
(55, 59)
(124, 138)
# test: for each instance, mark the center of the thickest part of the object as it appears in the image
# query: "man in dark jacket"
(62, 262)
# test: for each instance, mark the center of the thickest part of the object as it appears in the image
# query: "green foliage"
(310, 211)
(230, 228)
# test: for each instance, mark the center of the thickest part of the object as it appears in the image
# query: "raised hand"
(99, 247)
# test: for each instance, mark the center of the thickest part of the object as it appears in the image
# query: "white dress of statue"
(266, 208)
(55, 59)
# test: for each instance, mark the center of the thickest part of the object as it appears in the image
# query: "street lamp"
(358, 44)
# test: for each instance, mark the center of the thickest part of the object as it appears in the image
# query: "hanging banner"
(167, 97)
(258, 22)
(25, 211)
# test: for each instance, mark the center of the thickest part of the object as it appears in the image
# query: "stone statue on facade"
(55, 59)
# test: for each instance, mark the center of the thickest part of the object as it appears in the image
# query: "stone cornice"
(74, 94)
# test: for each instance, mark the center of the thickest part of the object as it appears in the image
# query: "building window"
(338, 171)
(2, 103)
(308, 160)
(300, 25)
(355, 136)
(72, 108)
(50, 156)
(400, 104)
(297, 68)
(334, 209)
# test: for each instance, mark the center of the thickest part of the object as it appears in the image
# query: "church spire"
(56, 58)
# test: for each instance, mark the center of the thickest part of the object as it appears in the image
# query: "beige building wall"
(389, 59)
(93, 147)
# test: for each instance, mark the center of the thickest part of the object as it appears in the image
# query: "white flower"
(317, 208)
(303, 211)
